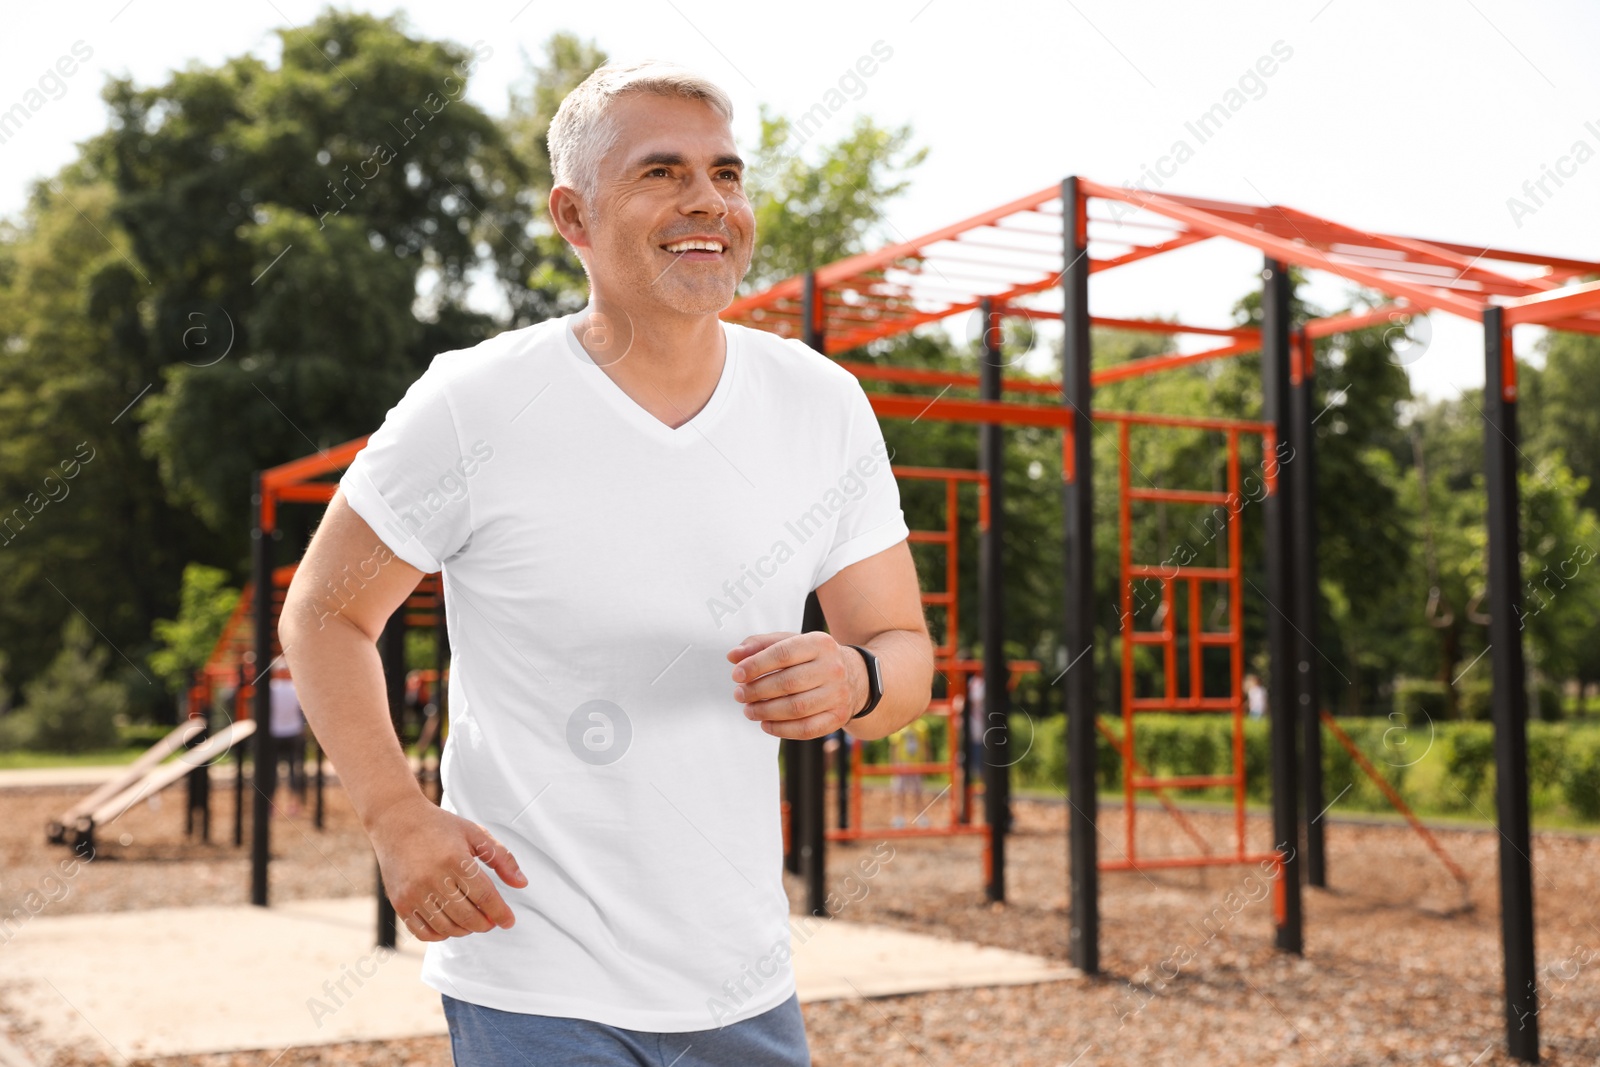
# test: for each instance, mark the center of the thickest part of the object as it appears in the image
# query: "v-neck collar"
(630, 409)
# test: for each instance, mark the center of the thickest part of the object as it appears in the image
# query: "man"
(629, 506)
(288, 736)
(1255, 696)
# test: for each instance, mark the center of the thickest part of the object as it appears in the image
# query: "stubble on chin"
(704, 296)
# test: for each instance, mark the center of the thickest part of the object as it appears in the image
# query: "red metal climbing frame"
(1170, 574)
(946, 662)
(301, 481)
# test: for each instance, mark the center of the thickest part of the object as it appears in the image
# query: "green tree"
(72, 706)
(1560, 579)
(325, 218)
(1365, 535)
(84, 520)
(252, 261)
(817, 207)
(567, 61)
(1561, 569)
(1560, 406)
(185, 643)
(1442, 607)
(1367, 545)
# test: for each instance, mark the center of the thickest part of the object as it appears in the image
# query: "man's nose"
(703, 198)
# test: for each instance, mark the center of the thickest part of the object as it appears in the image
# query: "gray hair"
(583, 130)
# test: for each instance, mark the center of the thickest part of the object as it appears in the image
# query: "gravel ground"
(1401, 965)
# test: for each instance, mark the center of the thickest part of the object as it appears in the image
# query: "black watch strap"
(874, 681)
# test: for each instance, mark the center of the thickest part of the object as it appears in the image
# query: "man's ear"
(567, 212)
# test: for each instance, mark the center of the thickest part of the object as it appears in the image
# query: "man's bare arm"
(808, 685)
(877, 603)
(343, 593)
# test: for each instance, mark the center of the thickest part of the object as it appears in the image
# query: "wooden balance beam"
(157, 779)
(56, 829)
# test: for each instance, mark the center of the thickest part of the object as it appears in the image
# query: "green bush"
(1548, 753)
(1037, 751)
(16, 731)
(1438, 767)
(1257, 758)
(1337, 764)
(1580, 775)
(938, 728)
(1416, 698)
(142, 734)
(1469, 762)
(1473, 696)
(1548, 700)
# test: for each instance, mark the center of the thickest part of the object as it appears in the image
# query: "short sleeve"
(870, 519)
(411, 482)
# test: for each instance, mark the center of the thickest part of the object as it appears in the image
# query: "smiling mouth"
(695, 249)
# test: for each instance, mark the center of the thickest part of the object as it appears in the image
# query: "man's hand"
(429, 859)
(798, 685)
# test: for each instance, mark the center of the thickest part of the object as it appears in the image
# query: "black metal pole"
(1282, 642)
(789, 759)
(441, 662)
(266, 760)
(1078, 514)
(199, 777)
(392, 653)
(238, 761)
(811, 758)
(841, 775)
(1510, 697)
(813, 800)
(991, 588)
(1307, 601)
(319, 819)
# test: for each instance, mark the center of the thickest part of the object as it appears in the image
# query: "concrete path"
(195, 980)
(88, 776)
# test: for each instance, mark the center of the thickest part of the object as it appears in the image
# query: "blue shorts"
(489, 1037)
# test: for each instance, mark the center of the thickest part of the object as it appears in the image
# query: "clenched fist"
(798, 685)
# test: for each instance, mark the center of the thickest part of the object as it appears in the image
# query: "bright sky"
(1417, 118)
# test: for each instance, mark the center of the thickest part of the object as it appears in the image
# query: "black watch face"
(875, 677)
(874, 680)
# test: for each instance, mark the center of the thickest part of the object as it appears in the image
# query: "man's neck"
(667, 361)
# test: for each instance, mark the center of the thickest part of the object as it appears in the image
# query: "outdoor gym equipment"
(81, 833)
(1003, 264)
(178, 737)
(851, 766)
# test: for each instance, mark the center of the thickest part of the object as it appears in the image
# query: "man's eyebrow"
(674, 159)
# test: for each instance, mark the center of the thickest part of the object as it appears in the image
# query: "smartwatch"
(874, 681)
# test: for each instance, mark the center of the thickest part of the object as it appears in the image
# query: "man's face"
(672, 175)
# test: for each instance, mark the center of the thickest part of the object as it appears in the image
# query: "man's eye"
(656, 170)
(732, 175)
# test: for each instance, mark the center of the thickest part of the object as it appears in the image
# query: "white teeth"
(686, 246)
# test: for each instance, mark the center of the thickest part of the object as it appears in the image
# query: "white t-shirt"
(598, 567)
